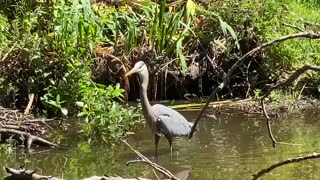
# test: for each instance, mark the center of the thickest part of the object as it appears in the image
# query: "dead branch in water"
(306, 34)
(28, 138)
(284, 83)
(288, 161)
(155, 166)
(274, 141)
(23, 174)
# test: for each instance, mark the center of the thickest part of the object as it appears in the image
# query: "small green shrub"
(104, 116)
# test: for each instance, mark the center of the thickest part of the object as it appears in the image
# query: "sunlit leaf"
(64, 111)
(81, 114)
(80, 104)
(190, 8)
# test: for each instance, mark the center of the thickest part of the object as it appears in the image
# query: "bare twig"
(288, 161)
(293, 26)
(31, 98)
(11, 49)
(306, 34)
(155, 166)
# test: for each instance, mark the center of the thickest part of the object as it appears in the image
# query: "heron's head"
(139, 68)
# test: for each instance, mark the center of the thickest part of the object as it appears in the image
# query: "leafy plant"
(104, 116)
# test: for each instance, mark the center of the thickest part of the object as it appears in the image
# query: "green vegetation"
(47, 51)
(52, 49)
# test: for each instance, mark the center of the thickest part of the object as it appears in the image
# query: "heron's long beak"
(132, 71)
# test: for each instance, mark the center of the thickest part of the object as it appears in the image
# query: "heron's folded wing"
(175, 127)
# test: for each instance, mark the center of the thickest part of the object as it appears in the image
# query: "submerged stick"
(155, 166)
(306, 34)
(288, 161)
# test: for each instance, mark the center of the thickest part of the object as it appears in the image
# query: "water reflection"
(231, 147)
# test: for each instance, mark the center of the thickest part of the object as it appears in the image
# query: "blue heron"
(162, 120)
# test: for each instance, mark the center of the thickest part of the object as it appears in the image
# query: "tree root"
(305, 34)
(27, 138)
(155, 166)
(288, 161)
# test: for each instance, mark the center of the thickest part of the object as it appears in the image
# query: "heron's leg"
(170, 138)
(156, 141)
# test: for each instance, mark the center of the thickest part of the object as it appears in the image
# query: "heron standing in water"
(162, 120)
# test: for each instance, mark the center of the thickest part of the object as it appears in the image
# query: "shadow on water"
(231, 147)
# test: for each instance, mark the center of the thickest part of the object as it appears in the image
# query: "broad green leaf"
(64, 111)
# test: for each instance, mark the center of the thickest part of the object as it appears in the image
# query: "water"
(231, 147)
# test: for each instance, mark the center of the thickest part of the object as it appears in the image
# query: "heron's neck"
(146, 107)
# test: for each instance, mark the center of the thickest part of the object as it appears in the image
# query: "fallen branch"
(307, 34)
(155, 166)
(23, 174)
(28, 138)
(288, 161)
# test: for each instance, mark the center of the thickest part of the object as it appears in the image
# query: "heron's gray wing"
(173, 126)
